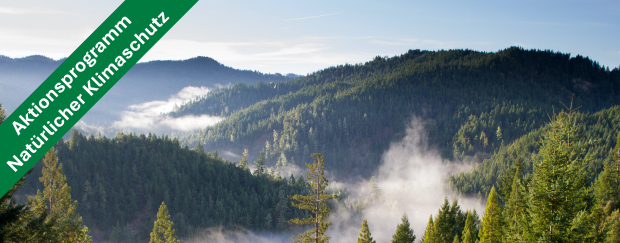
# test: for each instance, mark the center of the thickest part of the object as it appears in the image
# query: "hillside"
(120, 183)
(472, 103)
(156, 80)
(602, 128)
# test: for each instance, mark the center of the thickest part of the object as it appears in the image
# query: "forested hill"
(602, 128)
(120, 182)
(149, 81)
(471, 102)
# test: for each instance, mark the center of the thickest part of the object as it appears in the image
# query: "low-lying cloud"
(152, 115)
(412, 179)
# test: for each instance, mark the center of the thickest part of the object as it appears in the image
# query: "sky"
(305, 36)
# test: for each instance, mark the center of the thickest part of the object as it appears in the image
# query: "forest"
(540, 128)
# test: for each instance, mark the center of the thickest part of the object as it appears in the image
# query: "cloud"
(9, 10)
(412, 180)
(151, 115)
(301, 55)
(318, 16)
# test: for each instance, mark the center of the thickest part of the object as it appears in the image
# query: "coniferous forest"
(540, 129)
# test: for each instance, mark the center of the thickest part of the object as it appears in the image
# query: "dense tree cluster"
(559, 198)
(474, 103)
(121, 181)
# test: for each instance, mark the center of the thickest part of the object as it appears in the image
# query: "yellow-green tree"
(56, 199)
(492, 226)
(162, 230)
(315, 202)
(365, 236)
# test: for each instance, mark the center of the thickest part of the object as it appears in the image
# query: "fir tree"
(56, 198)
(492, 227)
(404, 233)
(315, 202)
(559, 191)
(375, 191)
(260, 168)
(428, 234)
(244, 160)
(470, 233)
(162, 230)
(365, 236)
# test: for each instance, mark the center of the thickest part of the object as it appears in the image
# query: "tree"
(470, 232)
(428, 236)
(404, 233)
(56, 198)
(492, 228)
(162, 230)
(260, 168)
(558, 192)
(244, 160)
(375, 191)
(315, 202)
(365, 236)
(607, 187)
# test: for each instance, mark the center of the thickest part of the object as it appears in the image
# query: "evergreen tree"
(516, 217)
(375, 191)
(315, 202)
(428, 234)
(260, 168)
(162, 230)
(607, 187)
(365, 236)
(470, 233)
(404, 233)
(492, 227)
(559, 192)
(244, 160)
(56, 198)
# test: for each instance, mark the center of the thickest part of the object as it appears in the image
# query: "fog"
(152, 117)
(411, 178)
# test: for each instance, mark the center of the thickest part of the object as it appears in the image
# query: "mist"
(152, 117)
(411, 177)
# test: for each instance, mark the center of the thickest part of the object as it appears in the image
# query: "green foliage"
(162, 230)
(428, 236)
(56, 198)
(558, 191)
(350, 113)
(601, 127)
(199, 189)
(470, 231)
(365, 236)
(315, 202)
(404, 233)
(492, 228)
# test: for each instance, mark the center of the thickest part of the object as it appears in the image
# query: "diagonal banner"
(80, 82)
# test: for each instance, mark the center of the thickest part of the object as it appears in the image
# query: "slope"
(472, 103)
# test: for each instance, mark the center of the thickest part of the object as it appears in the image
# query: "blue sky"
(305, 36)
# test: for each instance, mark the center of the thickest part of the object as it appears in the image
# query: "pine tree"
(365, 236)
(244, 160)
(315, 202)
(470, 234)
(516, 217)
(375, 191)
(607, 187)
(404, 233)
(56, 198)
(428, 234)
(559, 193)
(492, 227)
(162, 230)
(260, 168)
